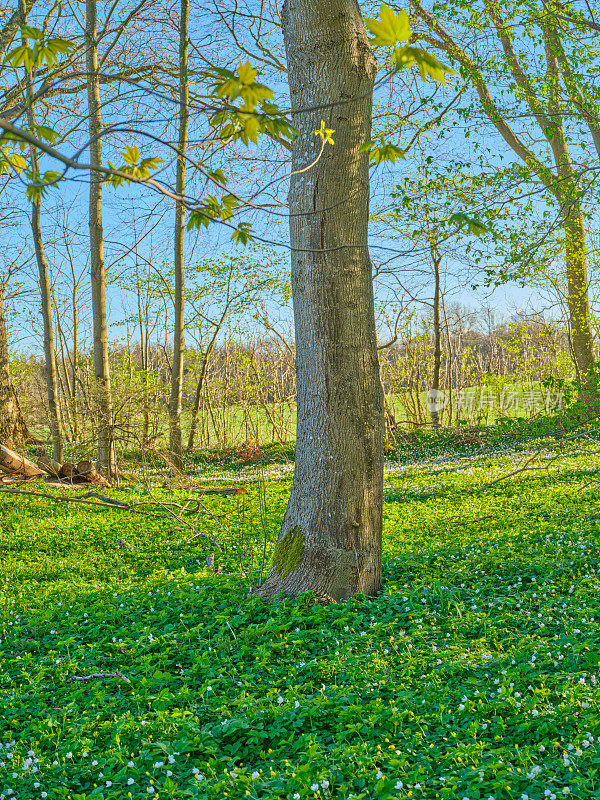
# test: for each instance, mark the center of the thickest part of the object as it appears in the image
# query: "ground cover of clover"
(473, 675)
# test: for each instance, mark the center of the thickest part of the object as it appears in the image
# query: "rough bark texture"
(49, 465)
(178, 335)
(330, 540)
(98, 271)
(13, 430)
(196, 407)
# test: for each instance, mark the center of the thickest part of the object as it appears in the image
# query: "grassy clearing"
(473, 675)
(233, 425)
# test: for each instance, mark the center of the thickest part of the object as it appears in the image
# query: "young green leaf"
(390, 29)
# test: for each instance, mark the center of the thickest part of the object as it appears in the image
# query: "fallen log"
(16, 464)
(49, 465)
(87, 471)
(68, 471)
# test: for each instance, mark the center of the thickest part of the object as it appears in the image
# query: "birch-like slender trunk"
(44, 281)
(144, 359)
(178, 261)
(331, 537)
(98, 271)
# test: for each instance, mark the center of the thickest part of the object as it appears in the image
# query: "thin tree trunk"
(46, 304)
(200, 384)
(196, 407)
(449, 359)
(98, 271)
(13, 430)
(178, 334)
(75, 362)
(144, 360)
(437, 341)
(44, 278)
(331, 538)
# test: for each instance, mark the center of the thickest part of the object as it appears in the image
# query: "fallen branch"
(117, 505)
(6, 480)
(547, 461)
(225, 490)
(97, 676)
(109, 500)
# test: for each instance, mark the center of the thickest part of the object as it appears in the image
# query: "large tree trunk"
(178, 334)
(98, 271)
(331, 537)
(13, 430)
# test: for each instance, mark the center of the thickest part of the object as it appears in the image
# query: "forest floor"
(473, 674)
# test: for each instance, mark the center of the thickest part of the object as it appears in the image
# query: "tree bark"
(98, 271)
(85, 469)
(331, 538)
(49, 465)
(196, 407)
(178, 334)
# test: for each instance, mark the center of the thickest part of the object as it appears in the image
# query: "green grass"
(484, 405)
(473, 675)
